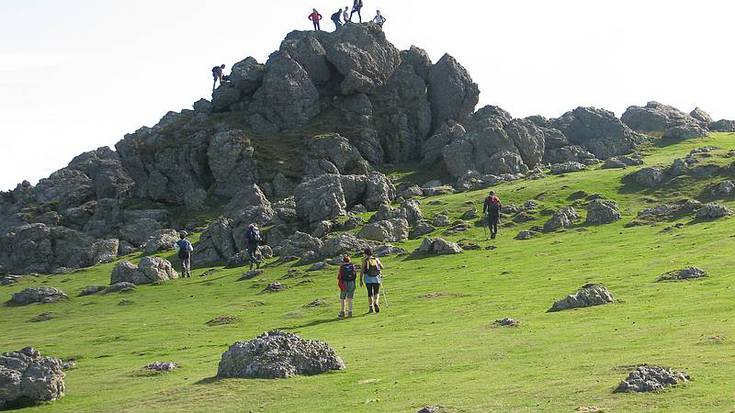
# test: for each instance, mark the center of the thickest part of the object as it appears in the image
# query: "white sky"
(79, 74)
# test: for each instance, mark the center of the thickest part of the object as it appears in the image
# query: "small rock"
(684, 274)
(650, 379)
(41, 295)
(316, 303)
(161, 367)
(429, 409)
(600, 212)
(525, 235)
(43, 317)
(121, 287)
(507, 322)
(563, 218)
(469, 246)
(222, 320)
(251, 274)
(713, 211)
(91, 290)
(588, 296)
(470, 214)
(567, 167)
(27, 376)
(275, 287)
(318, 266)
(441, 221)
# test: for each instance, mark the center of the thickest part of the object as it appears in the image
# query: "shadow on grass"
(320, 322)
(206, 380)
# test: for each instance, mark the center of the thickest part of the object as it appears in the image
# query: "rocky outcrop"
(162, 240)
(597, 130)
(27, 376)
(150, 270)
(713, 211)
(389, 230)
(667, 120)
(602, 211)
(588, 296)
(452, 92)
(563, 218)
(40, 295)
(333, 154)
(651, 379)
(723, 125)
(276, 355)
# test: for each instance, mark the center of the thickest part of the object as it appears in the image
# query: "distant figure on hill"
(315, 18)
(217, 73)
(346, 279)
(379, 19)
(185, 249)
(356, 8)
(346, 14)
(491, 209)
(336, 19)
(371, 267)
(252, 238)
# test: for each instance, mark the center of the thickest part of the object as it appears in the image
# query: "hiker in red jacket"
(315, 17)
(491, 210)
(346, 282)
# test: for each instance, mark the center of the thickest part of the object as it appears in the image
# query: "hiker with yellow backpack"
(371, 278)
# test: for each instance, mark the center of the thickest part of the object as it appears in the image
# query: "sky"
(76, 75)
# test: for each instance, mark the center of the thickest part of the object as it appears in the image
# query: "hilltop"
(341, 141)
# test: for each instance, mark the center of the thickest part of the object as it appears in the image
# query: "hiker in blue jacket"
(253, 239)
(185, 249)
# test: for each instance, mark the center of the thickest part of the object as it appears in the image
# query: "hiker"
(336, 19)
(217, 73)
(491, 210)
(346, 280)
(315, 17)
(371, 278)
(379, 19)
(185, 249)
(356, 8)
(346, 14)
(252, 237)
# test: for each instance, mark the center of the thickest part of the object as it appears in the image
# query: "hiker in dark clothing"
(379, 19)
(346, 14)
(253, 241)
(217, 73)
(491, 210)
(315, 18)
(336, 19)
(185, 249)
(356, 8)
(371, 278)
(346, 281)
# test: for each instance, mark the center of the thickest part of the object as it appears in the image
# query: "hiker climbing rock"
(336, 19)
(185, 249)
(253, 241)
(356, 8)
(371, 278)
(217, 74)
(346, 279)
(491, 210)
(315, 18)
(379, 19)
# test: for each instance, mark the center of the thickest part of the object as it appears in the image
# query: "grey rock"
(441, 220)
(507, 322)
(588, 296)
(139, 231)
(251, 274)
(225, 97)
(390, 230)
(600, 211)
(422, 228)
(656, 117)
(341, 244)
(650, 177)
(278, 355)
(40, 295)
(597, 130)
(651, 379)
(622, 161)
(569, 153)
(701, 116)
(723, 125)
(231, 159)
(563, 218)
(723, 189)
(683, 274)
(150, 270)
(300, 245)
(25, 375)
(713, 211)
(91, 290)
(121, 287)
(669, 211)
(438, 246)
(247, 75)
(161, 367)
(337, 152)
(163, 240)
(452, 93)
(567, 167)
(525, 235)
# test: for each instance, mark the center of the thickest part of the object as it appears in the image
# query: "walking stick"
(385, 295)
(485, 220)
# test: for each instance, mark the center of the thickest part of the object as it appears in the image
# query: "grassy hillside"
(434, 344)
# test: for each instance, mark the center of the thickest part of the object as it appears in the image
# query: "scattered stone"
(724, 189)
(69, 364)
(421, 229)
(650, 379)
(567, 167)
(713, 211)
(26, 376)
(441, 220)
(563, 218)
(438, 246)
(683, 274)
(121, 287)
(41, 295)
(525, 235)
(162, 367)
(318, 266)
(9, 279)
(507, 322)
(386, 250)
(650, 177)
(250, 275)
(316, 303)
(600, 212)
(151, 270)
(222, 320)
(91, 290)
(429, 409)
(43, 317)
(588, 296)
(125, 302)
(275, 287)
(469, 246)
(522, 217)
(669, 211)
(278, 354)
(390, 230)
(470, 214)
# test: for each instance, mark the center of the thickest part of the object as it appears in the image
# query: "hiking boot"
(349, 315)
(370, 310)
(492, 236)
(341, 314)
(377, 307)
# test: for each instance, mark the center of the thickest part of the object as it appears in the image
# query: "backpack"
(253, 236)
(184, 249)
(372, 267)
(337, 16)
(494, 203)
(349, 273)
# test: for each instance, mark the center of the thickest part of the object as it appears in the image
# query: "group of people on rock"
(344, 16)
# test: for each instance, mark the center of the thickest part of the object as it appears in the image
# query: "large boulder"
(713, 211)
(433, 147)
(299, 245)
(667, 120)
(650, 177)
(333, 154)
(341, 244)
(247, 75)
(26, 376)
(602, 211)
(278, 355)
(588, 296)
(651, 379)
(231, 159)
(723, 125)
(452, 93)
(438, 246)
(563, 218)
(597, 130)
(150, 270)
(163, 240)
(40, 295)
(390, 230)
(701, 116)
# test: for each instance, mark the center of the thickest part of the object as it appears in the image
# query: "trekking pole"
(385, 295)
(484, 222)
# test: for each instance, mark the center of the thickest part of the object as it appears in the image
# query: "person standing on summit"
(491, 210)
(346, 14)
(315, 18)
(379, 19)
(336, 19)
(357, 8)
(217, 73)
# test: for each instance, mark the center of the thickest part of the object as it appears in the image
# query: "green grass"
(429, 348)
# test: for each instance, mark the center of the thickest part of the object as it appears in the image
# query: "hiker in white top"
(379, 19)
